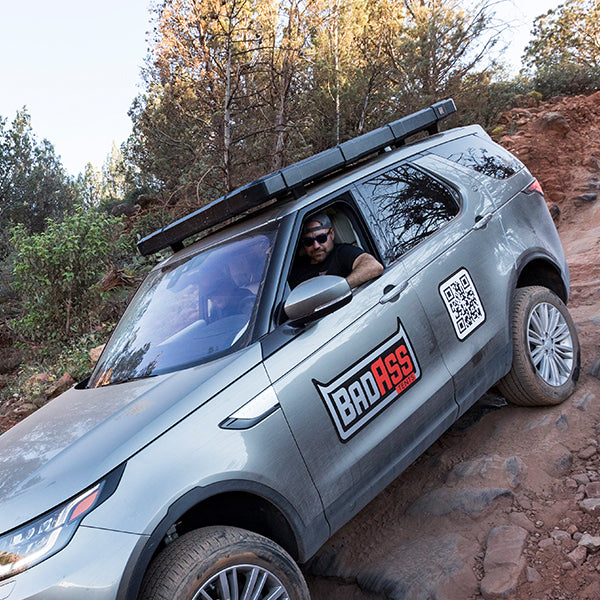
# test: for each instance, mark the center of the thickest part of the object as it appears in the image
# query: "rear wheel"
(546, 357)
(223, 563)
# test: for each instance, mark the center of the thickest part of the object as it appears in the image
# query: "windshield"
(186, 312)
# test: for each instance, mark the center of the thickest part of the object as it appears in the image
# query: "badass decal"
(463, 303)
(363, 391)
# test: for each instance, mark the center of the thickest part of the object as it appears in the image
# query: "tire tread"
(522, 385)
(200, 549)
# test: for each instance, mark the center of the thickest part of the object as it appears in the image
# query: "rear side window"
(408, 205)
(481, 155)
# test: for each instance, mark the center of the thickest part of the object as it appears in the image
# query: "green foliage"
(71, 357)
(498, 132)
(33, 183)
(482, 100)
(564, 52)
(567, 80)
(143, 225)
(75, 356)
(56, 273)
(439, 44)
(89, 186)
(95, 187)
(566, 35)
(114, 184)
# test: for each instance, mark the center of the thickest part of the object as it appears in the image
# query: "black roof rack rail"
(293, 178)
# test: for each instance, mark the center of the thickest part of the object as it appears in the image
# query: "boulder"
(553, 122)
(591, 506)
(95, 353)
(469, 501)
(62, 385)
(504, 561)
(578, 556)
(590, 542)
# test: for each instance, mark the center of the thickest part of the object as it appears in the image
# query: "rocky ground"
(507, 503)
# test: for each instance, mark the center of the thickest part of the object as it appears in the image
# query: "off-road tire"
(546, 355)
(217, 559)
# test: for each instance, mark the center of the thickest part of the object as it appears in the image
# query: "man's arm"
(364, 268)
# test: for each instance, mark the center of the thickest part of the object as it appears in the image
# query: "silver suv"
(233, 423)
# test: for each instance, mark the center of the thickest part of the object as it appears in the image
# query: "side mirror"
(316, 298)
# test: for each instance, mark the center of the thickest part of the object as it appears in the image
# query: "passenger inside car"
(319, 254)
(227, 299)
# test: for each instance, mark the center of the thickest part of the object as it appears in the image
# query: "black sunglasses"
(321, 239)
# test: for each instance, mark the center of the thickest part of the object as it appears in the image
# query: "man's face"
(318, 251)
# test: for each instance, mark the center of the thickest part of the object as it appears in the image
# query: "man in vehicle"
(227, 299)
(325, 257)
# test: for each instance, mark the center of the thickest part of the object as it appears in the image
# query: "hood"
(76, 439)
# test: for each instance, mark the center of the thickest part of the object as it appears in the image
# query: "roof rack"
(294, 178)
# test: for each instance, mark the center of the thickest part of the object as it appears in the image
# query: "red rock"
(504, 561)
(587, 453)
(95, 353)
(578, 556)
(62, 385)
(592, 490)
(39, 378)
(591, 506)
(553, 122)
(590, 542)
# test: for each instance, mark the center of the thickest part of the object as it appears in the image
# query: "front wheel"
(223, 563)
(546, 356)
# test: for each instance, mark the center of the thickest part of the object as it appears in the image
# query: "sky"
(75, 65)
(521, 15)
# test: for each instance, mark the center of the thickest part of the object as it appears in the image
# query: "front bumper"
(91, 566)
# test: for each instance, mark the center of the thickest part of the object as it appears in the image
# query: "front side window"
(409, 205)
(189, 311)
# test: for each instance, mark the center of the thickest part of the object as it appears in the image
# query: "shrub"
(143, 225)
(567, 79)
(56, 273)
(73, 358)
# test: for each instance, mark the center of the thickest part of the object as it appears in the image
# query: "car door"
(364, 390)
(460, 268)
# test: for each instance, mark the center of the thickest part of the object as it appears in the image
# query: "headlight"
(39, 539)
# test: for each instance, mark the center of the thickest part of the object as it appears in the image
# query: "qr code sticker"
(463, 303)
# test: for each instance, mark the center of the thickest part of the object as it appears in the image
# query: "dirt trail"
(502, 471)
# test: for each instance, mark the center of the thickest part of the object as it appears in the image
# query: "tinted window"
(188, 312)
(480, 155)
(409, 206)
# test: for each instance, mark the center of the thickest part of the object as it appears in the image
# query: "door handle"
(481, 222)
(391, 292)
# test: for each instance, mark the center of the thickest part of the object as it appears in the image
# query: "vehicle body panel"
(76, 439)
(367, 459)
(481, 298)
(531, 234)
(92, 566)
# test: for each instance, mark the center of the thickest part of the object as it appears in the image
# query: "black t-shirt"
(339, 262)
